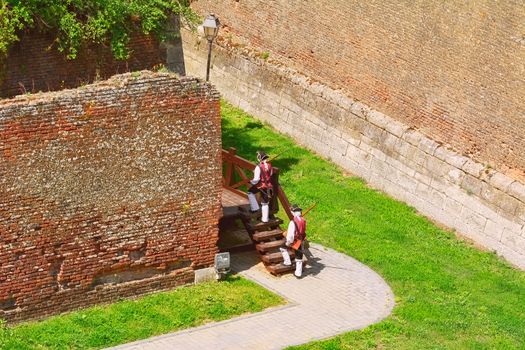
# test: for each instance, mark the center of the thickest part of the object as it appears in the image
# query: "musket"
(277, 155)
(307, 210)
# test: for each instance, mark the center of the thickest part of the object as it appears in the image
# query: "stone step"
(263, 236)
(267, 246)
(277, 269)
(263, 226)
(272, 258)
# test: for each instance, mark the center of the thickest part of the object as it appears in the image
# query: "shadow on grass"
(240, 137)
(254, 125)
(285, 164)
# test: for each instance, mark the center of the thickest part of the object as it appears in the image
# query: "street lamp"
(211, 27)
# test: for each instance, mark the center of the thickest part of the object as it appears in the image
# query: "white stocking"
(298, 267)
(265, 211)
(286, 256)
(254, 206)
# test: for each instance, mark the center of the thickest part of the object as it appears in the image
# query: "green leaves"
(77, 23)
(72, 37)
(11, 20)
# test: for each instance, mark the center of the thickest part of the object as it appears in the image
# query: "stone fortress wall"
(423, 100)
(107, 191)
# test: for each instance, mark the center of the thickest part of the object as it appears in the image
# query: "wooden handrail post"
(229, 167)
(274, 203)
(284, 202)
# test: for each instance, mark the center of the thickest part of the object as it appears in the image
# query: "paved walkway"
(337, 294)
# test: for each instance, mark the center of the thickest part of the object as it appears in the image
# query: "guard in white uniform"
(262, 183)
(295, 237)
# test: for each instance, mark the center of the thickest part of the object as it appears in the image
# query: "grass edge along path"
(126, 321)
(449, 295)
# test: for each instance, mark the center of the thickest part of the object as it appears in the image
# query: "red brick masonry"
(452, 70)
(34, 64)
(107, 191)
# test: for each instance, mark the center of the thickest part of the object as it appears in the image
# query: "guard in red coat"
(261, 182)
(295, 240)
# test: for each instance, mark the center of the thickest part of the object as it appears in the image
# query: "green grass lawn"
(449, 295)
(151, 315)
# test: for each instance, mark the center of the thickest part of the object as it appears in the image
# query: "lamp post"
(211, 27)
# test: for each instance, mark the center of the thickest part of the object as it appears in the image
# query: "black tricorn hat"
(295, 207)
(261, 156)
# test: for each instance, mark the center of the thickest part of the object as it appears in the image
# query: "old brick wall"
(455, 70)
(107, 191)
(34, 64)
(480, 202)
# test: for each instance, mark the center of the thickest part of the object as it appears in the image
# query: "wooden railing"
(237, 173)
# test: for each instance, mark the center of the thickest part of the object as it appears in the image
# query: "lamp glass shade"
(211, 27)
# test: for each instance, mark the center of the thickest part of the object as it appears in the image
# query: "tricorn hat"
(261, 156)
(295, 207)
